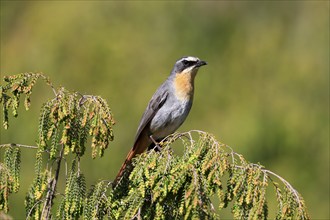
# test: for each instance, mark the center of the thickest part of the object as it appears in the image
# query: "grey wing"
(156, 102)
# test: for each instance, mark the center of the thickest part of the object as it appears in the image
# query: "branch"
(51, 192)
(48, 82)
(288, 185)
(30, 211)
(18, 145)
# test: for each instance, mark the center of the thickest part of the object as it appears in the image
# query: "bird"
(166, 111)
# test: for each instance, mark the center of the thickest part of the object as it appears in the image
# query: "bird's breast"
(184, 86)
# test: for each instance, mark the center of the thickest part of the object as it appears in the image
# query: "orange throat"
(184, 85)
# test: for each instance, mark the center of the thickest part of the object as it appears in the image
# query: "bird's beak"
(201, 63)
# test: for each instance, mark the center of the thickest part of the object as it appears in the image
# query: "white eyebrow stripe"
(194, 59)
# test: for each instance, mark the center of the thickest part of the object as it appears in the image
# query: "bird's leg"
(155, 142)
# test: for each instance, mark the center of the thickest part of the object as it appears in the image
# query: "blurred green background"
(265, 91)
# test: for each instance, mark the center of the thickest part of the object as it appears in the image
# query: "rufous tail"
(140, 145)
(127, 163)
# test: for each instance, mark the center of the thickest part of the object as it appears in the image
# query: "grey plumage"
(167, 109)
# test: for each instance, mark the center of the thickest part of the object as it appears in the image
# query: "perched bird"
(167, 109)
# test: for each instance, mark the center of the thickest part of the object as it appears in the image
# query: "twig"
(46, 212)
(30, 211)
(137, 215)
(18, 145)
(48, 82)
(287, 184)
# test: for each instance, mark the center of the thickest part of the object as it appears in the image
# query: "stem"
(28, 215)
(46, 212)
(18, 145)
(287, 184)
(48, 82)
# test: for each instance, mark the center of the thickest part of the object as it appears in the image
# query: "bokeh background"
(265, 91)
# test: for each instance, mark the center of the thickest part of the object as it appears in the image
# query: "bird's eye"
(185, 62)
(188, 62)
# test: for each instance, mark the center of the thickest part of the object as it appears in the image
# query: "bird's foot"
(156, 147)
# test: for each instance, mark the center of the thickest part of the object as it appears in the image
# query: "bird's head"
(188, 65)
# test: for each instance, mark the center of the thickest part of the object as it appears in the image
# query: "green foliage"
(71, 206)
(12, 91)
(70, 118)
(166, 186)
(162, 185)
(9, 174)
(97, 204)
(38, 190)
(65, 123)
